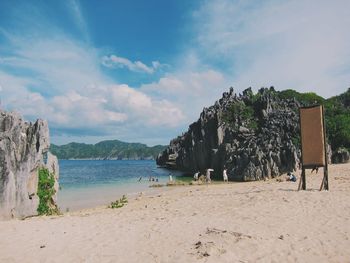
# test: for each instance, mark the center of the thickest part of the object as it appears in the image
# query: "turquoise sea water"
(90, 183)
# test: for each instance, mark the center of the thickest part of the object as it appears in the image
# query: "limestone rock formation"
(255, 136)
(23, 149)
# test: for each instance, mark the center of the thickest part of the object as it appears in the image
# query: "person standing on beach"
(208, 175)
(196, 175)
(224, 175)
(170, 178)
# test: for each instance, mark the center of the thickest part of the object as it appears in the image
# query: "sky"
(142, 71)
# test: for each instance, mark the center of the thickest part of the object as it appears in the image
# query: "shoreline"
(76, 199)
(248, 222)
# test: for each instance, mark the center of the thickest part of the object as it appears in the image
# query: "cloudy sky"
(142, 71)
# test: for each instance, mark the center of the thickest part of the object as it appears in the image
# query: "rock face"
(23, 149)
(341, 155)
(253, 136)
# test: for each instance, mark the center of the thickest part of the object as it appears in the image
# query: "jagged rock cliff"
(23, 149)
(253, 136)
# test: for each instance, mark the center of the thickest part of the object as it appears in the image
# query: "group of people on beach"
(208, 175)
(290, 176)
(151, 179)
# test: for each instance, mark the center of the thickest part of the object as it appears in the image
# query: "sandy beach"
(267, 221)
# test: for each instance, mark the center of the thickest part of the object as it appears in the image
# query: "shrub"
(119, 203)
(46, 190)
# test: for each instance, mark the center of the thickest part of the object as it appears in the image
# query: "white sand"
(238, 222)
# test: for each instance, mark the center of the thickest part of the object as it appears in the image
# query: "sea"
(91, 183)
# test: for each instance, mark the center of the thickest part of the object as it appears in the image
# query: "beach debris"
(237, 235)
(205, 254)
(198, 244)
(280, 180)
(281, 237)
(201, 179)
(119, 203)
(215, 230)
(42, 246)
(139, 196)
(202, 248)
(176, 183)
(216, 242)
(156, 185)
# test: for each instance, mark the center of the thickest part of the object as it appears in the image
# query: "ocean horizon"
(91, 183)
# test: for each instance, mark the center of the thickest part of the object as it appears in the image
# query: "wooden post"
(303, 178)
(325, 176)
(322, 184)
(325, 168)
(299, 186)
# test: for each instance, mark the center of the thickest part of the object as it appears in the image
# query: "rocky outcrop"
(23, 150)
(255, 136)
(341, 155)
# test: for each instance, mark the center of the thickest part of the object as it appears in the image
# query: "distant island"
(107, 150)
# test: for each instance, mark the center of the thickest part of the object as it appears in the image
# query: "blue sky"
(142, 71)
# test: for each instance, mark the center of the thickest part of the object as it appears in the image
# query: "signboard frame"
(310, 165)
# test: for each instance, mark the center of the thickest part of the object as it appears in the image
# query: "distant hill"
(111, 149)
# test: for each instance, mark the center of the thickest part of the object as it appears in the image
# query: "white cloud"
(46, 74)
(289, 44)
(114, 61)
(75, 9)
(143, 107)
(63, 84)
(304, 45)
(190, 91)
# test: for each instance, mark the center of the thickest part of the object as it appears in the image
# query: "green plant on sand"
(45, 193)
(119, 203)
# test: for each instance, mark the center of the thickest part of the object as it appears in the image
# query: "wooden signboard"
(313, 142)
(312, 137)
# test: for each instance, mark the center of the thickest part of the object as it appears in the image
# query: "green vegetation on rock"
(308, 98)
(338, 120)
(337, 114)
(240, 114)
(45, 192)
(111, 149)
